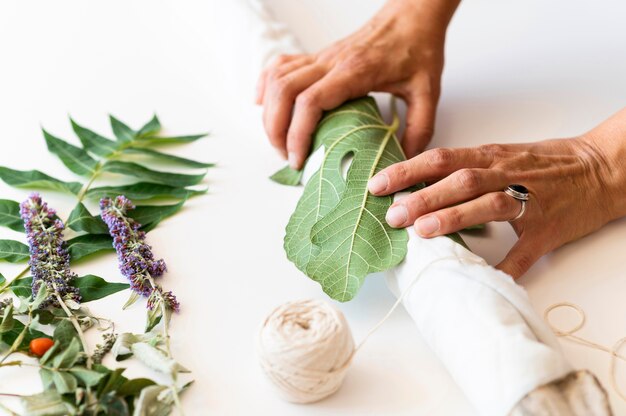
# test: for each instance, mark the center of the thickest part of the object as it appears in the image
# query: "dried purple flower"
(158, 295)
(135, 256)
(49, 260)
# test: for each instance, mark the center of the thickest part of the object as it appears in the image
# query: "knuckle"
(273, 74)
(307, 99)
(454, 219)
(439, 158)
(500, 203)
(399, 173)
(283, 86)
(358, 61)
(282, 59)
(491, 149)
(420, 202)
(468, 180)
(523, 262)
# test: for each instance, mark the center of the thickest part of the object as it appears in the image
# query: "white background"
(516, 71)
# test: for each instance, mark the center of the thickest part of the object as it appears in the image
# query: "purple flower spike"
(135, 256)
(158, 295)
(49, 259)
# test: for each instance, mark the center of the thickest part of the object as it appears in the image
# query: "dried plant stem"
(166, 336)
(6, 409)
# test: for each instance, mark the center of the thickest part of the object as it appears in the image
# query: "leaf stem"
(6, 409)
(18, 340)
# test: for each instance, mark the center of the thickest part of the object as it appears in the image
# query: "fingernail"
(397, 215)
(378, 183)
(293, 160)
(427, 225)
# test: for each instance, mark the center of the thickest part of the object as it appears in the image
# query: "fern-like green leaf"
(76, 159)
(144, 190)
(150, 128)
(93, 142)
(141, 172)
(122, 132)
(168, 158)
(10, 215)
(34, 179)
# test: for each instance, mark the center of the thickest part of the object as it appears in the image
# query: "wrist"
(608, 143)
(430, 16)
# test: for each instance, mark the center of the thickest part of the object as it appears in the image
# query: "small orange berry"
(39, 346)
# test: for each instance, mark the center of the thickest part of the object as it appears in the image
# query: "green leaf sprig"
(74, 381)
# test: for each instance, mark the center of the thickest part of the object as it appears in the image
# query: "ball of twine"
(305, 348)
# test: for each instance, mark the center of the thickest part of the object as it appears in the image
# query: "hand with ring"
(552, 191)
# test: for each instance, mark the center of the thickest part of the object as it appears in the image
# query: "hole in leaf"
(346, 162)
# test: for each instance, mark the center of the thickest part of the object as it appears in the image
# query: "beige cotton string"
(570, 335)
(306, 347)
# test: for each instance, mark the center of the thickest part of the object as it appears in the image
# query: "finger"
(427, 166)
(420, 123)
(460, 186)
(329, 92)
(494, 206)
(521, 257)
(279, 99)
(261, 83)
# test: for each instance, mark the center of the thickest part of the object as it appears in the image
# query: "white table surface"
(515, 72)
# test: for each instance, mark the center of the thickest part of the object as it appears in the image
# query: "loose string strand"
(570, 335)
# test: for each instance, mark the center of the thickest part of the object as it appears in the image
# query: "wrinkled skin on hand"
(399, 51)
(576, 186)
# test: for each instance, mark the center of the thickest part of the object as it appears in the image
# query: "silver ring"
(520, 193)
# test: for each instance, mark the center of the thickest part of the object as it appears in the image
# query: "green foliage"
(337, 234)
(94, 287)
(72, 383)
(93, 142)
(80, 219)
(13, 251)
(122, 132)
(169, 158)
(10, 215)
(22, 287)
(33, 179)
(76, 159)
(141, 172)
(287, 176)
(47, 403)
(9, 337)
(87, 244)
(143, 191)
(91, 287)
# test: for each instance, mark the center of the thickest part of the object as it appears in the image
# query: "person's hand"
(576, 186)
(399, 51)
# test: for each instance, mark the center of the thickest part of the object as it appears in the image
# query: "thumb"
(420, 123)
(520, 258)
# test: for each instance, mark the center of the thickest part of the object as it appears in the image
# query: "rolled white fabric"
(479, 323)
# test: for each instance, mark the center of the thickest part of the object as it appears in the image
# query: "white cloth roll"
(479, 323)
